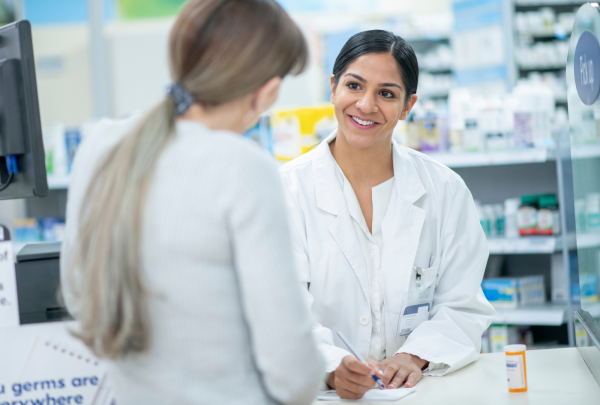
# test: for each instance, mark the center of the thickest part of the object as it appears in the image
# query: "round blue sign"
(587, 68)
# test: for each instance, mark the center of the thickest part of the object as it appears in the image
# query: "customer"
(177, 260)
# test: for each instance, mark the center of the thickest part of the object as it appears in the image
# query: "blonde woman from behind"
(177, 261)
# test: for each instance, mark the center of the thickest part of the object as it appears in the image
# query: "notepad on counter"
(372, 395)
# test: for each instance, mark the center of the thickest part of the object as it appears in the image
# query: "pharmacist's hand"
(402, 368)
(352, 378)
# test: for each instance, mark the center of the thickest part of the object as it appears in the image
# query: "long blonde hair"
(219, 50)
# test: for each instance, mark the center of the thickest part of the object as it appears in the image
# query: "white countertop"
(558, 376)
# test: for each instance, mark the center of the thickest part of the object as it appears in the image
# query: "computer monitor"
(22, 159)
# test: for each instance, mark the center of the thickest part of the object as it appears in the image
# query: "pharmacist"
(387, 241)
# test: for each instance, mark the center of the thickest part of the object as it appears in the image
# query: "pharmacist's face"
(369, 99)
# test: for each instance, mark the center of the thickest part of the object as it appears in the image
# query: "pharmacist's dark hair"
(380, 41)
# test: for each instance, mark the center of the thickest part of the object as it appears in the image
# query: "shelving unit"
(423, 47)
(528, 245)
(505, 157)
(545, 315)
(58, 182)
(531, 38)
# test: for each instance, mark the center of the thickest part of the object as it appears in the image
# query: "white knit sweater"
(228, 322)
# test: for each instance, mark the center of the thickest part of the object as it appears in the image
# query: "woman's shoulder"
(198, 139)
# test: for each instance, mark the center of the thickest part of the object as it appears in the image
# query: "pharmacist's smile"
(362, 123)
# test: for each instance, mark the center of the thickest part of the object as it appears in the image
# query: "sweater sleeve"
(279, 323)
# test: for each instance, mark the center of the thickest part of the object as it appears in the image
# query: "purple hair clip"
(182, 98)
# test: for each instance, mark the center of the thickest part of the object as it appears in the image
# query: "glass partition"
(583, 82)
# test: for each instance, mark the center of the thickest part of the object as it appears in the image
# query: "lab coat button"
(364, 320)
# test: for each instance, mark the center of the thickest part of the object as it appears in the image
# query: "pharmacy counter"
(558, 376)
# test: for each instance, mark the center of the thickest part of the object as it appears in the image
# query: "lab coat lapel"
(330, 198)
(401, 229)
(342, 230)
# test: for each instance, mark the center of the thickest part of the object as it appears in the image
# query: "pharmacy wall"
(501, 124)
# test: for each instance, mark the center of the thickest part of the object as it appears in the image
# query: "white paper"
(9, 305)
(372, 395)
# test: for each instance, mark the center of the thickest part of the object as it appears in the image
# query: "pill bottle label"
(545, 221)
(527, 220)
(515, 370)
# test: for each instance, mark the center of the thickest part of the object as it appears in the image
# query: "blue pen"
(360, 358)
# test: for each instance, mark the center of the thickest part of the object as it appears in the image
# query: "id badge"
(416, 306)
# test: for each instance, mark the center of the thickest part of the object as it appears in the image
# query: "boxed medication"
(512, 292)
(501, 292)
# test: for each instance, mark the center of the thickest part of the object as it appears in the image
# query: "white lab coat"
(431, 222)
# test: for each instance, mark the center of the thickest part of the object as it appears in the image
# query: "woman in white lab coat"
(387, 240)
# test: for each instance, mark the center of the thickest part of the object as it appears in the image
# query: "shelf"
(548, 315)
(58, 182)
(441, 70)
(433, 94)
(542, 67)
(523, 245)
(593, 309)
(505, 157)
(542, 3)
(585, 151)
(588, 239)
(542, 35)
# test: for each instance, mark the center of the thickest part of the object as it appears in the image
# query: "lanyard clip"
(419, 274)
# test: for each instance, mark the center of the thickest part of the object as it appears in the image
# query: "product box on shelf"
(502, 335)
(501, 292)
(297, 130)
(586, 290)
(498, 336)
(512, 292)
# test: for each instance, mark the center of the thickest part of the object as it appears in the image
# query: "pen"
(360, 358)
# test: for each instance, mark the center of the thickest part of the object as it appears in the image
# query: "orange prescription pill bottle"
(516, 369)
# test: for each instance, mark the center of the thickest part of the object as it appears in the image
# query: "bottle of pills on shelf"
(547, 217)
(527, 215)
(516, 368)
(511, 209)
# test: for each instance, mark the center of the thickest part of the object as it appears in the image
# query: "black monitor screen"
(22, 160)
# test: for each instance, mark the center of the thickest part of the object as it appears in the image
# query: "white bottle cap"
(514, 348)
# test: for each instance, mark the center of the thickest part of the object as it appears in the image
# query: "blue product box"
(501, 293)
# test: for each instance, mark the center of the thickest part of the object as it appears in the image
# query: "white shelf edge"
(585, 151)
(547, 315)
(497, 158)
(588, 239)
(535, 244)
(542, 3)
(58, 182)
(593, 309)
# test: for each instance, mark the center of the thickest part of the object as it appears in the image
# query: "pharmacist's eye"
(387, 94)
(353, 86)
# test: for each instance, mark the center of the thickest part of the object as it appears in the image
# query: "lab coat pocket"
(428, 277)
(416, 305)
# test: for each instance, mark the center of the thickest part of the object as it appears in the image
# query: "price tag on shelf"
(9, 306)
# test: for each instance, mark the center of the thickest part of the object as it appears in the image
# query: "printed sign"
(9, 306)
(587, 68)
